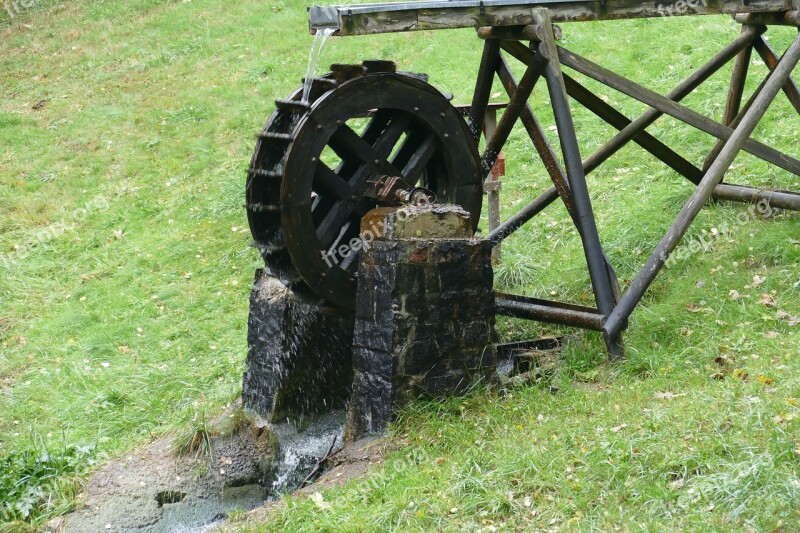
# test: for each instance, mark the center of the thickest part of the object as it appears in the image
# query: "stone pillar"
(299, 355)
(424, 323)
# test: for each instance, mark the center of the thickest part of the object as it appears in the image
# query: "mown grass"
(126, 128)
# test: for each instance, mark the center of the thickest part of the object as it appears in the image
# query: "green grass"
(125, 131)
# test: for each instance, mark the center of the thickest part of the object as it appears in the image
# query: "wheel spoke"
(330, 182)
(417, 163)
(390, 136)
(379, 121)
(350, 146)
(409, 147)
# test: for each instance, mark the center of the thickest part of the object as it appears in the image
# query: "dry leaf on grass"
(767, 299)
(667, 395)
(791, 319)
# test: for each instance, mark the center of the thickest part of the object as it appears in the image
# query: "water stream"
(320, 38)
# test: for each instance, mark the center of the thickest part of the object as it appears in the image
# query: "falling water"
(320, 38)
(301, 449)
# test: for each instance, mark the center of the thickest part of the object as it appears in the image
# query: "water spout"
(320, 38)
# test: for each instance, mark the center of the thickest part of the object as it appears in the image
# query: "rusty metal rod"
(549, 313)
(703, 192)
(741, 193)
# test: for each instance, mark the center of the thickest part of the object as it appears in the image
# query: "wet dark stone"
(421, 330)
(370, 408)
(299, 357)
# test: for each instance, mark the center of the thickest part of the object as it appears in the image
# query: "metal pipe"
(703, 191)
(741, 193)
(549, 314)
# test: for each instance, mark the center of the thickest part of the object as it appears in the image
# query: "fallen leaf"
(619, 428)
(740, 373)
(721, 360)
(768, 300)
(734, 294)
(771, 334)
(765, 380)
(757, 281)
(694, 308)
(792, 320)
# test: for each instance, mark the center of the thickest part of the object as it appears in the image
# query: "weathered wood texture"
(363, 19)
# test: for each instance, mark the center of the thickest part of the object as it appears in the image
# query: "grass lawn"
(125, 131)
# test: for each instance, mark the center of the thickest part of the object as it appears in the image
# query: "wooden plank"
(363, 19)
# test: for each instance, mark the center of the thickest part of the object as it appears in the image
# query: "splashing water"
(320, 38)
(301, 449)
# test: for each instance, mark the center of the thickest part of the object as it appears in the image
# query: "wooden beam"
(388, 17)
(674, 109)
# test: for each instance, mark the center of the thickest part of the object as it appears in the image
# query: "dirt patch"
(153, 490)
(351, 462)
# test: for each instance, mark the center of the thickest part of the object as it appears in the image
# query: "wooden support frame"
(506, 25)
(731, 133)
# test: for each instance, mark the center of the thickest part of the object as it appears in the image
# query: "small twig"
(317, 470)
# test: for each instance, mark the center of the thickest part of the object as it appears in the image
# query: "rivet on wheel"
(442, 114)
(377, 161)
(313, 159)
(446, 135)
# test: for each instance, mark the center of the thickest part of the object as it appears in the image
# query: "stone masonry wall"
(299, 357)
(424, 325)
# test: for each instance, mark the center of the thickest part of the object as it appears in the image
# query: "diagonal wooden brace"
(702, 193)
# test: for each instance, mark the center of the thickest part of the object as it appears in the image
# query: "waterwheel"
(319, 160)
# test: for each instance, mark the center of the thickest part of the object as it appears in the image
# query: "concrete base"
(299, 359)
